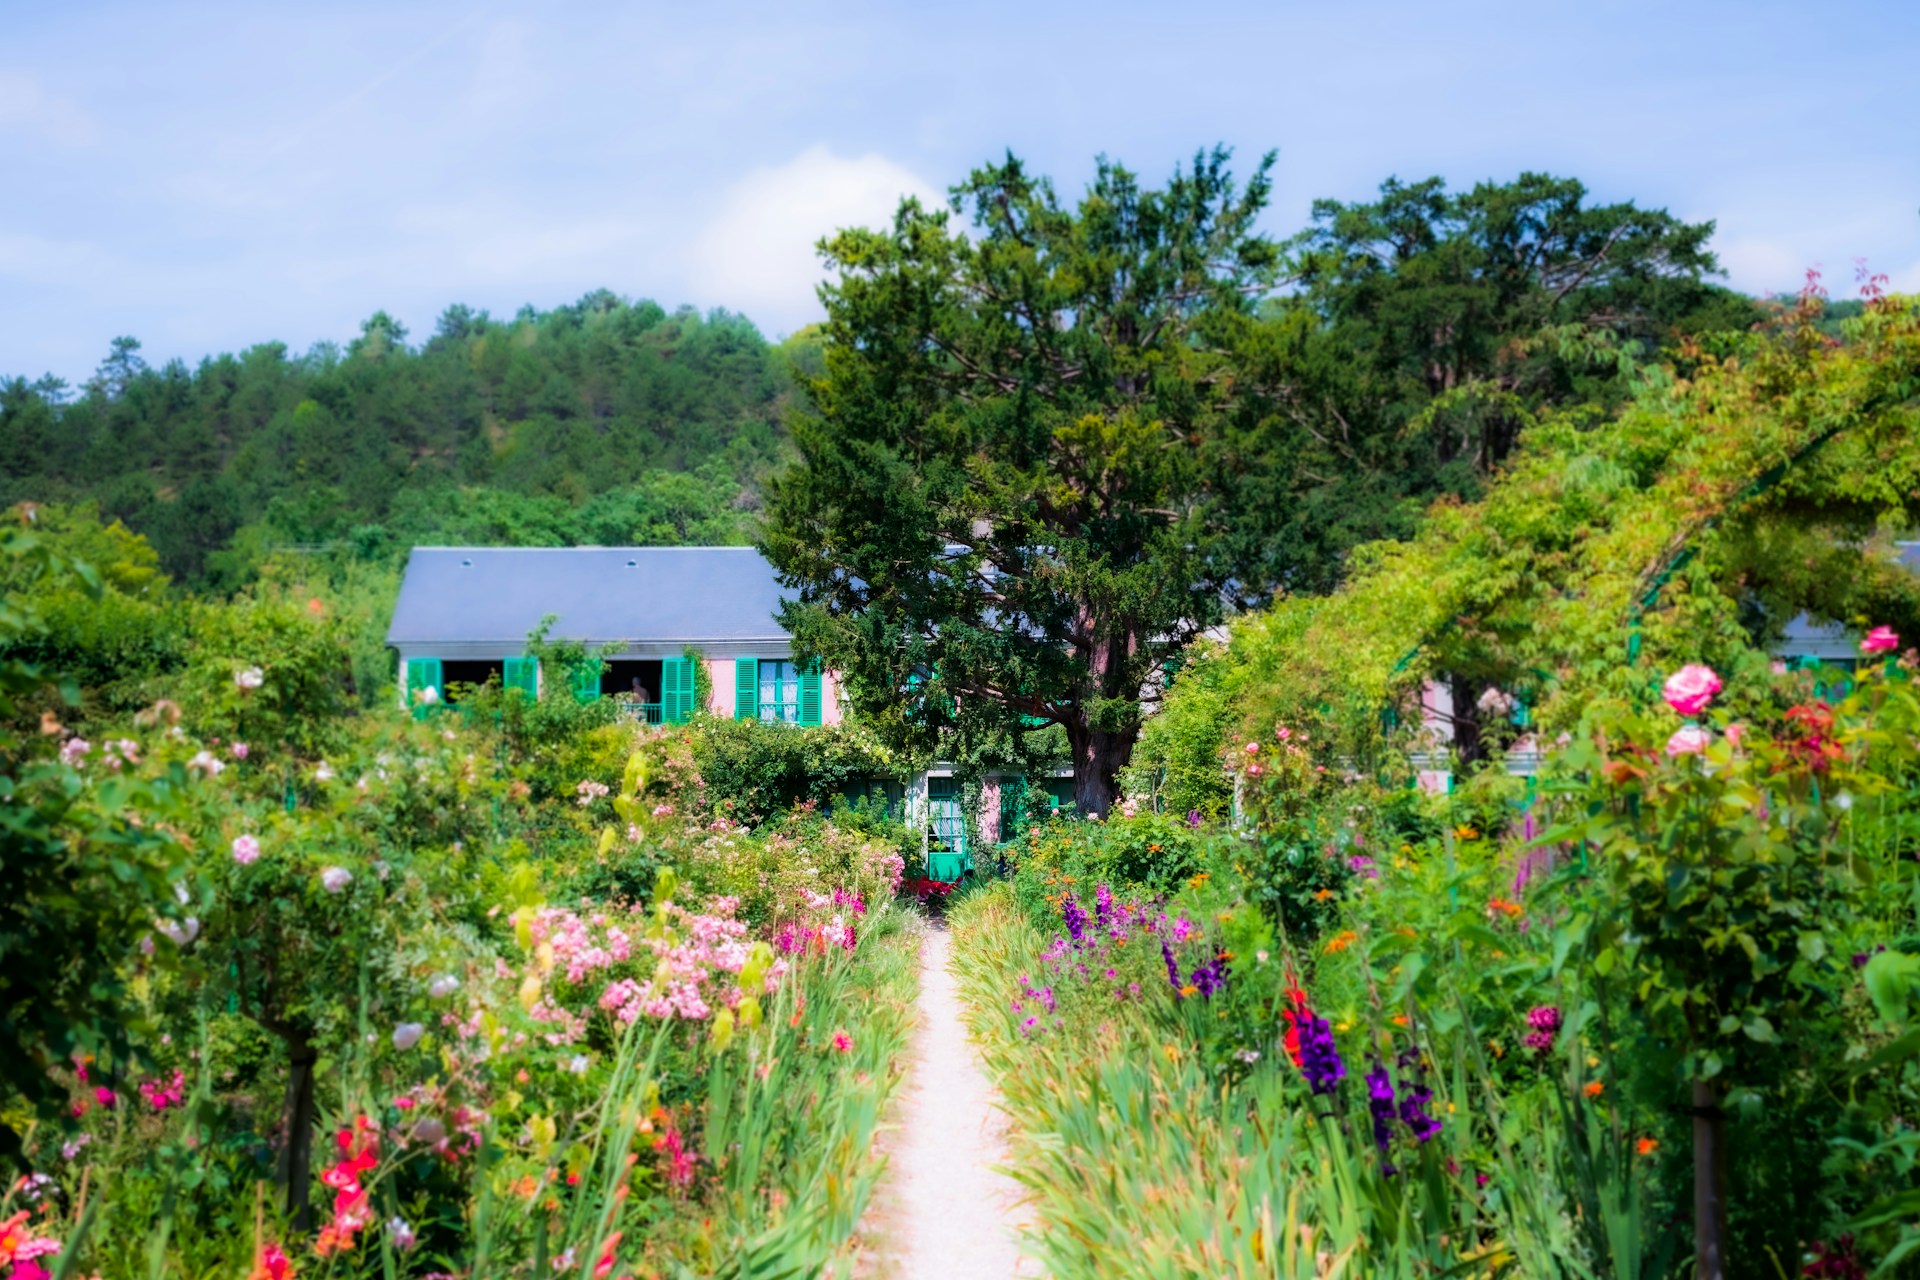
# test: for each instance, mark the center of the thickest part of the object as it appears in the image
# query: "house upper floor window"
(779, 691)
(776, 691)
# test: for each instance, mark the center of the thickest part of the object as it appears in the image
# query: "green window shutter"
(678, 690)
(423, 674)
(746, 688)
(810, 694)
(522, 674)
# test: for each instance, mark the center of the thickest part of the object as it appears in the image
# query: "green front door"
(947, 857)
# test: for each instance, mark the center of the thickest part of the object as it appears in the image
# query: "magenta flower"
(1880, 640)
(1691, 688)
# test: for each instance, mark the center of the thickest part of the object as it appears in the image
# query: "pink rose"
(1691, 688)
(1688, 740)
(1880, 640)
(1735, 732)
(245, 849)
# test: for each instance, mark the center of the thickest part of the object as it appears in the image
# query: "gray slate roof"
(466, 596)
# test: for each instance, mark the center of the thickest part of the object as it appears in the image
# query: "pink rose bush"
(1691, 688)
(1880, 640)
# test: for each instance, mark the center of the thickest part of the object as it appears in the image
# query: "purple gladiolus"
(1173, 966)
(1075, 917)
(1380, 1107)
(1319, 1057)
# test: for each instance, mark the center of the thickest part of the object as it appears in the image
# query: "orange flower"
(1500, 906)
(1341, 941)
(1465, 832)
(1647, 1146)
(1323, 895)
(1594, 1089)
(1399, 1019)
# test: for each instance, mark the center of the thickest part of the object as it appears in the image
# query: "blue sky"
(206, 176)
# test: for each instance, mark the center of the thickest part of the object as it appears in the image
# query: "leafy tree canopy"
(536, 418)
(1426, 329)
(1006, 515)
(1726, 498)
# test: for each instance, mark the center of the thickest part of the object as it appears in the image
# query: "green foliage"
(86, 861)
(603, 422)
(1724, 499)
(754, 771)
(1005, 514)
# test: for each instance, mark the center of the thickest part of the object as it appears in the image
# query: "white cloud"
(1763, 266)
(27, 106)
(757, 256)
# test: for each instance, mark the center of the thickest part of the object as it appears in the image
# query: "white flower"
(443, 986)
(381, 869)
(336, 878)
(74, 751)
(206, 763)
(578, 1064)
(70, 1149)
(245, 849)
(179, 932)
(324, 773)
(249, 678)
(1843, 800)
(408, 1034)
(564, 1260)
(428, 696)
(400, 1233)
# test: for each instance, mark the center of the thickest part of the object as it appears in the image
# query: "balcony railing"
(644, 712)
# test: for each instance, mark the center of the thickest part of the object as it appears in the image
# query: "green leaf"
(1758, 1028)
(1813, 946)
(1892, 979)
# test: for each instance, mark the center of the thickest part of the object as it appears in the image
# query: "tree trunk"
(1467, 744)
(1098, 756)
(1709, 1183)
(296, 1158)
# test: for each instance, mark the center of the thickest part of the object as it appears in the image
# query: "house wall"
(829, 698)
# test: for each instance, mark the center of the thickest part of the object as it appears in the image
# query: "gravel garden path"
(943, 1210)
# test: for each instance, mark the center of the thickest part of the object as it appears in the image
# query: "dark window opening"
(635, 685)
(456, 674)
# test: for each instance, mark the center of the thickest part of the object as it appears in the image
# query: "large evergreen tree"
(1007, 515)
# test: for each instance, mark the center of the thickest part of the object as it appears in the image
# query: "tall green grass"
(1140, 1163)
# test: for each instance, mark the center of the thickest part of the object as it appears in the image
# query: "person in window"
(639, 693)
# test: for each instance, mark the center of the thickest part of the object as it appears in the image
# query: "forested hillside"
(606, 421)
